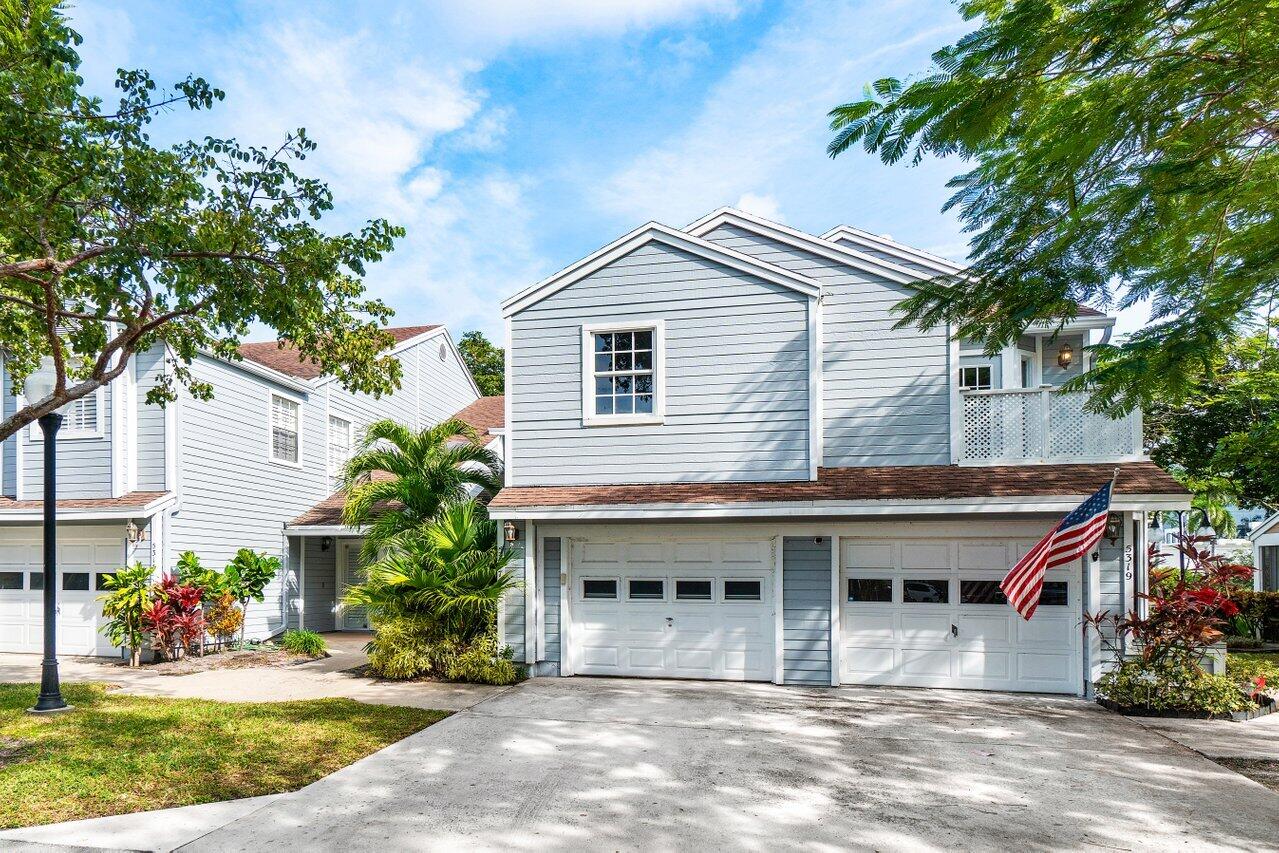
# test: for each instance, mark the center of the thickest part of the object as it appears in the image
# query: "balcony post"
(1044, 410)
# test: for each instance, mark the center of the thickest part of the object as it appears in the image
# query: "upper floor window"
(975, 378)
(80, 418)
(622, 373)
(285, 430)
(341, 442)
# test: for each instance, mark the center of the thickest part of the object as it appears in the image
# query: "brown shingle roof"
(485, 414)
(281, 356)
(917, 482)
(131, 500)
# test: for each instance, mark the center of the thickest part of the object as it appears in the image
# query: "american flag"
(1074, 536)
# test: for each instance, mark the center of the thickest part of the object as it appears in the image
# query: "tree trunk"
(244, 620)
(135, 656)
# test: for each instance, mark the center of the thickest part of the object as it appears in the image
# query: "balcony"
(1018, 426)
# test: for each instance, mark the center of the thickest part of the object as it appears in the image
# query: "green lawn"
(116, 754)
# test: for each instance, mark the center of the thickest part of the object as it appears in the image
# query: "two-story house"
(725, 461)
(138, 482)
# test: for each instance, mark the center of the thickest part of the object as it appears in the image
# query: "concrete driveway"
(622, 765)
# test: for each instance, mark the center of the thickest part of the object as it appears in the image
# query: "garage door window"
(76, 581)
(1054, 594)
(925, 591)
(693, 590)
(870, 589)
(597, 588)
(10, 580)
(35, 580)
(742, 590)
(646, 589)
(100, 581)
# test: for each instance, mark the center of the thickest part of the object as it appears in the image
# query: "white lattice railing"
(1045, 425)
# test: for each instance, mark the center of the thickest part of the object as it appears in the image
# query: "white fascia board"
(1264, 527)
(93, 513)
(264, 372)
(656, 232)
(806, 242)
(322, 530)
(1079, 324)
(825, 509)
(892, 247)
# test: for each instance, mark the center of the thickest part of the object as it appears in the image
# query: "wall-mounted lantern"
(326, 543)
(510, 532)
(1114, 527)
(134, 534)
(1065, 356)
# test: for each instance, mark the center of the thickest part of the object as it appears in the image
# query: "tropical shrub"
(303, 642)
(483, 663)
(401, 480)
(125, 606)
(1259, 612)
(174, 619)
(223, 619)
(1258, 674)
(246, 578)
(1169, 685)
(405, 646)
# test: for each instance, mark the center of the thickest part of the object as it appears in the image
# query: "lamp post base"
(48, 712)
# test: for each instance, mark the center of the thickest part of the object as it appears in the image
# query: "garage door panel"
(691, 637)
(900, 632)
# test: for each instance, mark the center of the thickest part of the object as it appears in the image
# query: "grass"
(116, 754)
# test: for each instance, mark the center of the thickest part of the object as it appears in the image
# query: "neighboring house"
(138, 482)
(1265, 553)
(723, 460)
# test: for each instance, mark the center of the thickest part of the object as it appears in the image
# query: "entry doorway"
(350, 571)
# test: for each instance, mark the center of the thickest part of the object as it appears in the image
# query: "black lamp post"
(50, 700)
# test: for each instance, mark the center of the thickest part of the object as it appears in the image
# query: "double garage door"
(913, 612)
(85, 554)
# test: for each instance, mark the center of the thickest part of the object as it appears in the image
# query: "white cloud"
(760, 205)
(506, 21)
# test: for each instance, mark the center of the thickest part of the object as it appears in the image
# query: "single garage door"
(929, 613)
(85, 553)
(682, 609)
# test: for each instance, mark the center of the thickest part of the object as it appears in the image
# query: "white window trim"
(330, 468)
(990, 374)
(65, 433)
(658, 416)
(270, 429)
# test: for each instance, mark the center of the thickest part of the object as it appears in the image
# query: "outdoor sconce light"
(326, 543)
(1065, 356)
(510, 532)
(1114, 527)
(134, 534)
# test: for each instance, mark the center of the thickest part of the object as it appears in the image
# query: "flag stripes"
(1074, 536)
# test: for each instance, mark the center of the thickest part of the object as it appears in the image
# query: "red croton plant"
(175, 619)
(1188, 611)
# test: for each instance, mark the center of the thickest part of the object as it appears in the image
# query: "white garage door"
(84, 554)
(683, 609)
(929, 613)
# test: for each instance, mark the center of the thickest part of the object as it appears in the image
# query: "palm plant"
(400, 479)
(449, 570)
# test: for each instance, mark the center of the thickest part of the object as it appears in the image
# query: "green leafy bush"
(483, 663)
(303, 642)
(1245, 669)
(1170, 686)
(125, 606)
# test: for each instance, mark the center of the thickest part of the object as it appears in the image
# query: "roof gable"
(654, 232)
(283, 357)
(800, 240)
(847, 234)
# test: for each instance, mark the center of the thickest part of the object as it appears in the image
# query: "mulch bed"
(1263, 770)
(247, 659)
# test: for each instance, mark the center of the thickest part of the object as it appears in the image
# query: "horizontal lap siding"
(513, 609)
(149, 367)
(736, 377)
(551, 567)
(8, 447)
(232, 495)
(84, 464)
(319, 586)
(445, 388)
(806, 618)
(867, 249)
(886, 395)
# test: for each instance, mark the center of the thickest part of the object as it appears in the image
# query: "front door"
(351, 572)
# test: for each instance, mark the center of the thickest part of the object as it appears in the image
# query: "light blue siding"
(149, 368)
(806, 618)
(9, 447)
(551, 568)
(84, 464)
(867, 248)
(512, 633)
(1053, 373)
(319, 586)
(736, 377)
(886, 391)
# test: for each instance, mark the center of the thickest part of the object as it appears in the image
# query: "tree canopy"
(486, 362)
(1121, 152)
(111, 244)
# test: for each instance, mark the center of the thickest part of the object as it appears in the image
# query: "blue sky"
(511, 138)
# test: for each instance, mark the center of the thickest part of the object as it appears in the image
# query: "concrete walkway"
(640, 765)
(319, 679)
